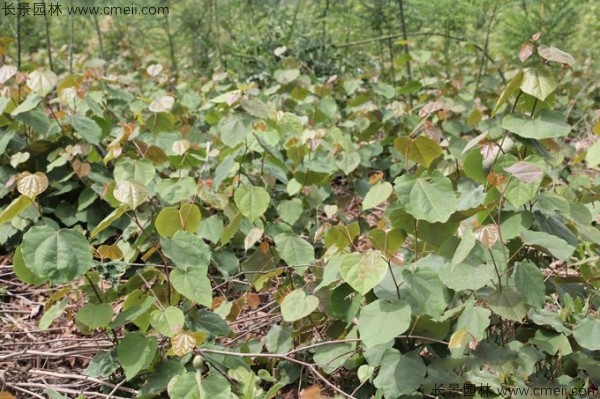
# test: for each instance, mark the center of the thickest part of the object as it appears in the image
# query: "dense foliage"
(393, 237)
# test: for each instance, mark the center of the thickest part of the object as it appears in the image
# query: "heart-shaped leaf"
(131, 193)
(363, 271)
(32, 185)
(252, 201)
(297, 305)
(538, 82)
(546, 124)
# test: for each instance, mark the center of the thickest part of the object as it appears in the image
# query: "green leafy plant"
(235, 240)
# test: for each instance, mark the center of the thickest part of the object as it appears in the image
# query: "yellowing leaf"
(110, 252)
(171, 219)
(422, 150)
(14, 208)
(182, 344)
(458, 339)
(32, 185)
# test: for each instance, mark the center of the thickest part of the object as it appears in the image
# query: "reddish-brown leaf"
(525, 51)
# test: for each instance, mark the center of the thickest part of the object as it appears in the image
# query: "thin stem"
(48, 46)
(485, 47)
(99, 37)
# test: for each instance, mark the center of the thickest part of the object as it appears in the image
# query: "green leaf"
(252, 201)
(131, 193)
(187, 249)
(285, 76)
(422, 150)
(529, 281)
(294, 250)
(331, 357)
(16, 207)
(95, 315)
(388, 242)
(424, 291)
(185, 386)
(171, 219)
(141, 171)
(475, 320)
(290, 210)
(363, 271)
(376, 195)
(133, 312)
(172, 191)
(557, 247)
(508, 304)
(192, 284)
(466, 245)
(167, 321)
(546, 124)
(538, 82)
(103, 364)
(587, 332)
(107, 221)
(233, 131)
(135, 353)
(348, 161)
(23, 272)
(158, 381)
(87, 128)
(297, 305)
(30, 103)
(381, 321)
(59, 256)
(593, 155)
(429, 197)
(52, 314)
(551, 342)
(255, 107)
(279, 339)
(511, 88)
(400, 375)
(518, 193)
